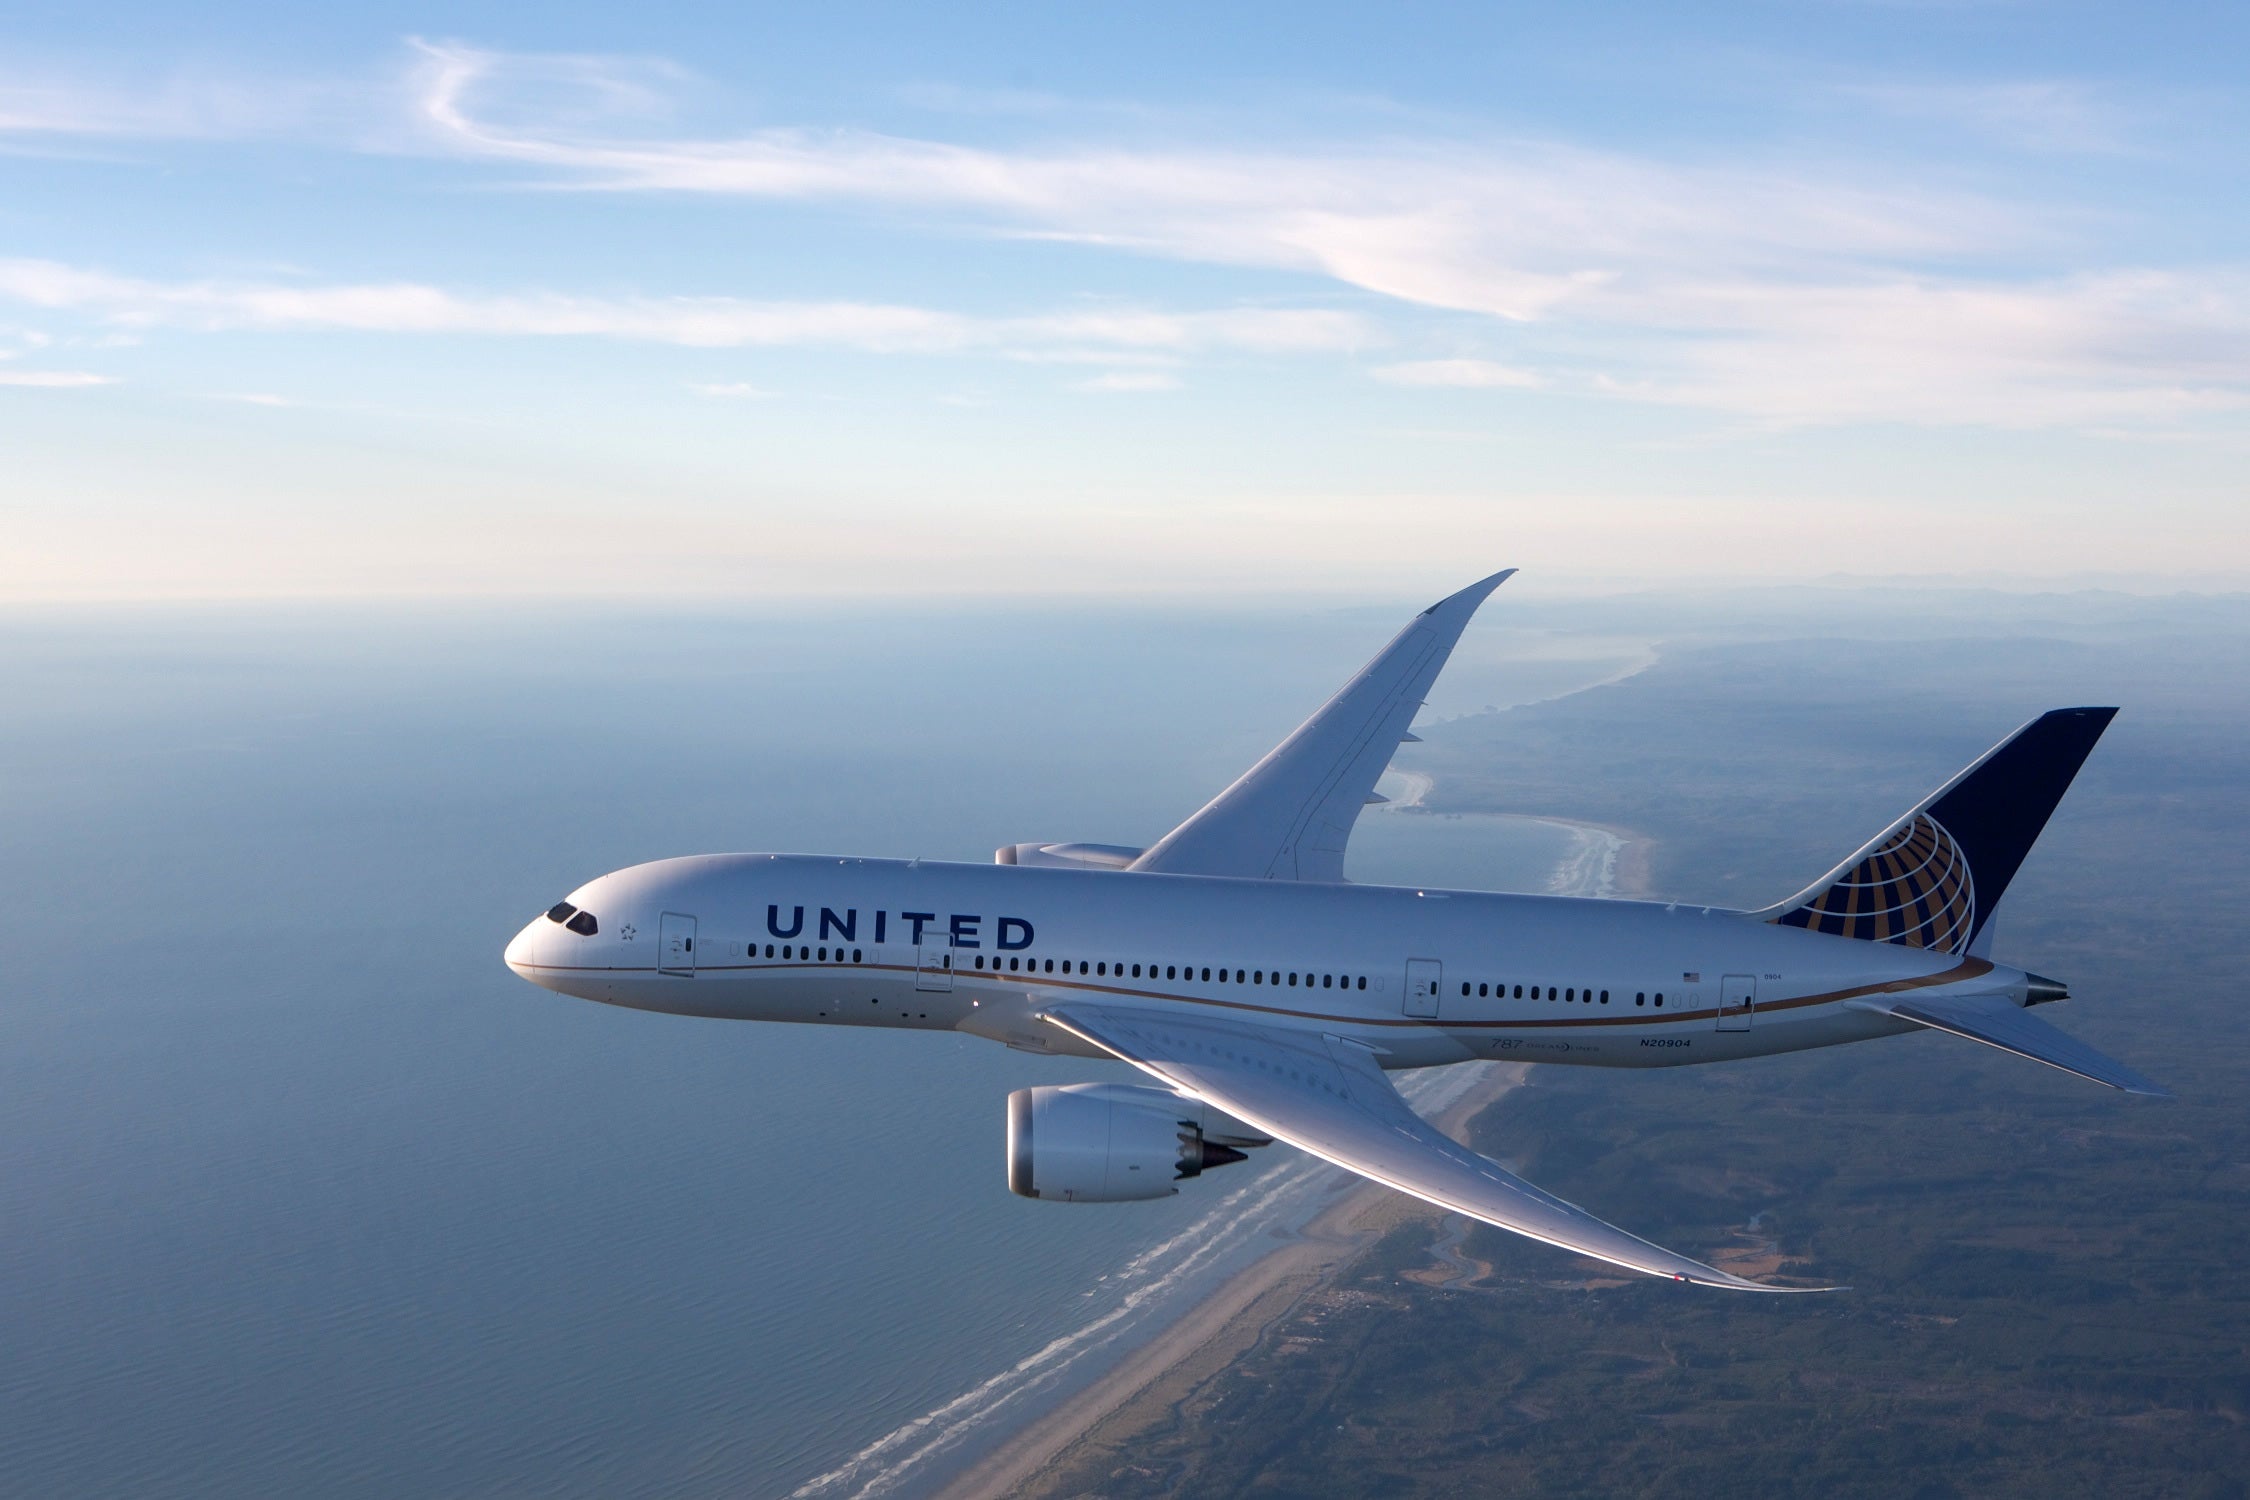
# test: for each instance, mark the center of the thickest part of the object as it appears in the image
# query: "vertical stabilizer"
(1932, 879)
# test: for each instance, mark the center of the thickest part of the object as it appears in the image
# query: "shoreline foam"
(1207, 1338)
(1202, 1339)
(1145, 1375)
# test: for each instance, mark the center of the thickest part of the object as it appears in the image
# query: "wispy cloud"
(1506, 226)
(1122, 381)
(1826, 292)
(1801, 291)
(1475, 373)
(55, 379)
(2033, 114)
(710, 322)
(2122, 347)
(190, 103)
(734, 390)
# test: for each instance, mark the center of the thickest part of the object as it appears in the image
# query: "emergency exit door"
(933, 968)
(1738, 997)
(1424, 978)
(675, 945)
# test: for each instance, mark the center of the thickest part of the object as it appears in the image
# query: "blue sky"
(321, 301)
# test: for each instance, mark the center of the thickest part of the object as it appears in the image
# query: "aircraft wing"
(1998, 1021)
(1325, 1095)
(1288, 816)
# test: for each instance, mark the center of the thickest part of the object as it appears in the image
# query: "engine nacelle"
(1115, 1142)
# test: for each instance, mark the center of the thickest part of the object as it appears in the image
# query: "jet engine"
(1114, 1142)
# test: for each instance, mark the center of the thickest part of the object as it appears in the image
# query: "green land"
(2051, 1281)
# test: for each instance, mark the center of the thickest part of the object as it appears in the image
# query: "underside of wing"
(1998, 1021)
(1325, 1095)
(1288, 817)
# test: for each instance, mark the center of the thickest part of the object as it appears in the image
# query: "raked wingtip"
(1474, 595)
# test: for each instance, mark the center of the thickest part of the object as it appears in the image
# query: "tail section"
(1932, 879)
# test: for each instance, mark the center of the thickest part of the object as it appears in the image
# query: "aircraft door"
(933, 968)
(675, 945)
(1425, 977)
(1738, 997)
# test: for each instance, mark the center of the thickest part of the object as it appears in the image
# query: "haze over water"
(301, 1190)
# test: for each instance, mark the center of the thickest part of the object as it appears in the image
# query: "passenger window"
(1640, 997)
(1659, 999)
(855, 955)
(1605, 997)
(1363, 981)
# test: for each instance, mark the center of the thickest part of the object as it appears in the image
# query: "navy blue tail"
(1932, 879)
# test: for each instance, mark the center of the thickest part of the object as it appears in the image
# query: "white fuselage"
(1422, 976)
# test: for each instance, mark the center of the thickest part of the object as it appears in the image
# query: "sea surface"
(302, 1192)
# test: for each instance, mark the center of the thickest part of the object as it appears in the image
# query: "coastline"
(1146, 1384)
(1207, 1339)
(1627, 861)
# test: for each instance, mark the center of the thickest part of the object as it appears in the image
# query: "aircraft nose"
(522, 953)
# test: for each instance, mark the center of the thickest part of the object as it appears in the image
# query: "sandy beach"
(1148, 1383)
(1210, 1338)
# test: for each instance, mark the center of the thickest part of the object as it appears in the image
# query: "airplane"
(1268, 998)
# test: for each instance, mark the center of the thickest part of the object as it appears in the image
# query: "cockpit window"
(560, 912)
(583, 924)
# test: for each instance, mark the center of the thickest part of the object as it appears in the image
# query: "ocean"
(301, 1190)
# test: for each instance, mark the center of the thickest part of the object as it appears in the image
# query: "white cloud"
(713, 322)
(2035, 114)
(1129, 380)
(54, 379)
(1506, 226)
(2126, 347)
(187, 103)
(1475, 373)
(1812, 291)
(1823, 292)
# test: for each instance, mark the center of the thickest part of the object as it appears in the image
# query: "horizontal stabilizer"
(1997, 1021)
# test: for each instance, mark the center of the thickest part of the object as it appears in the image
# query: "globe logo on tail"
(1915, 890)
